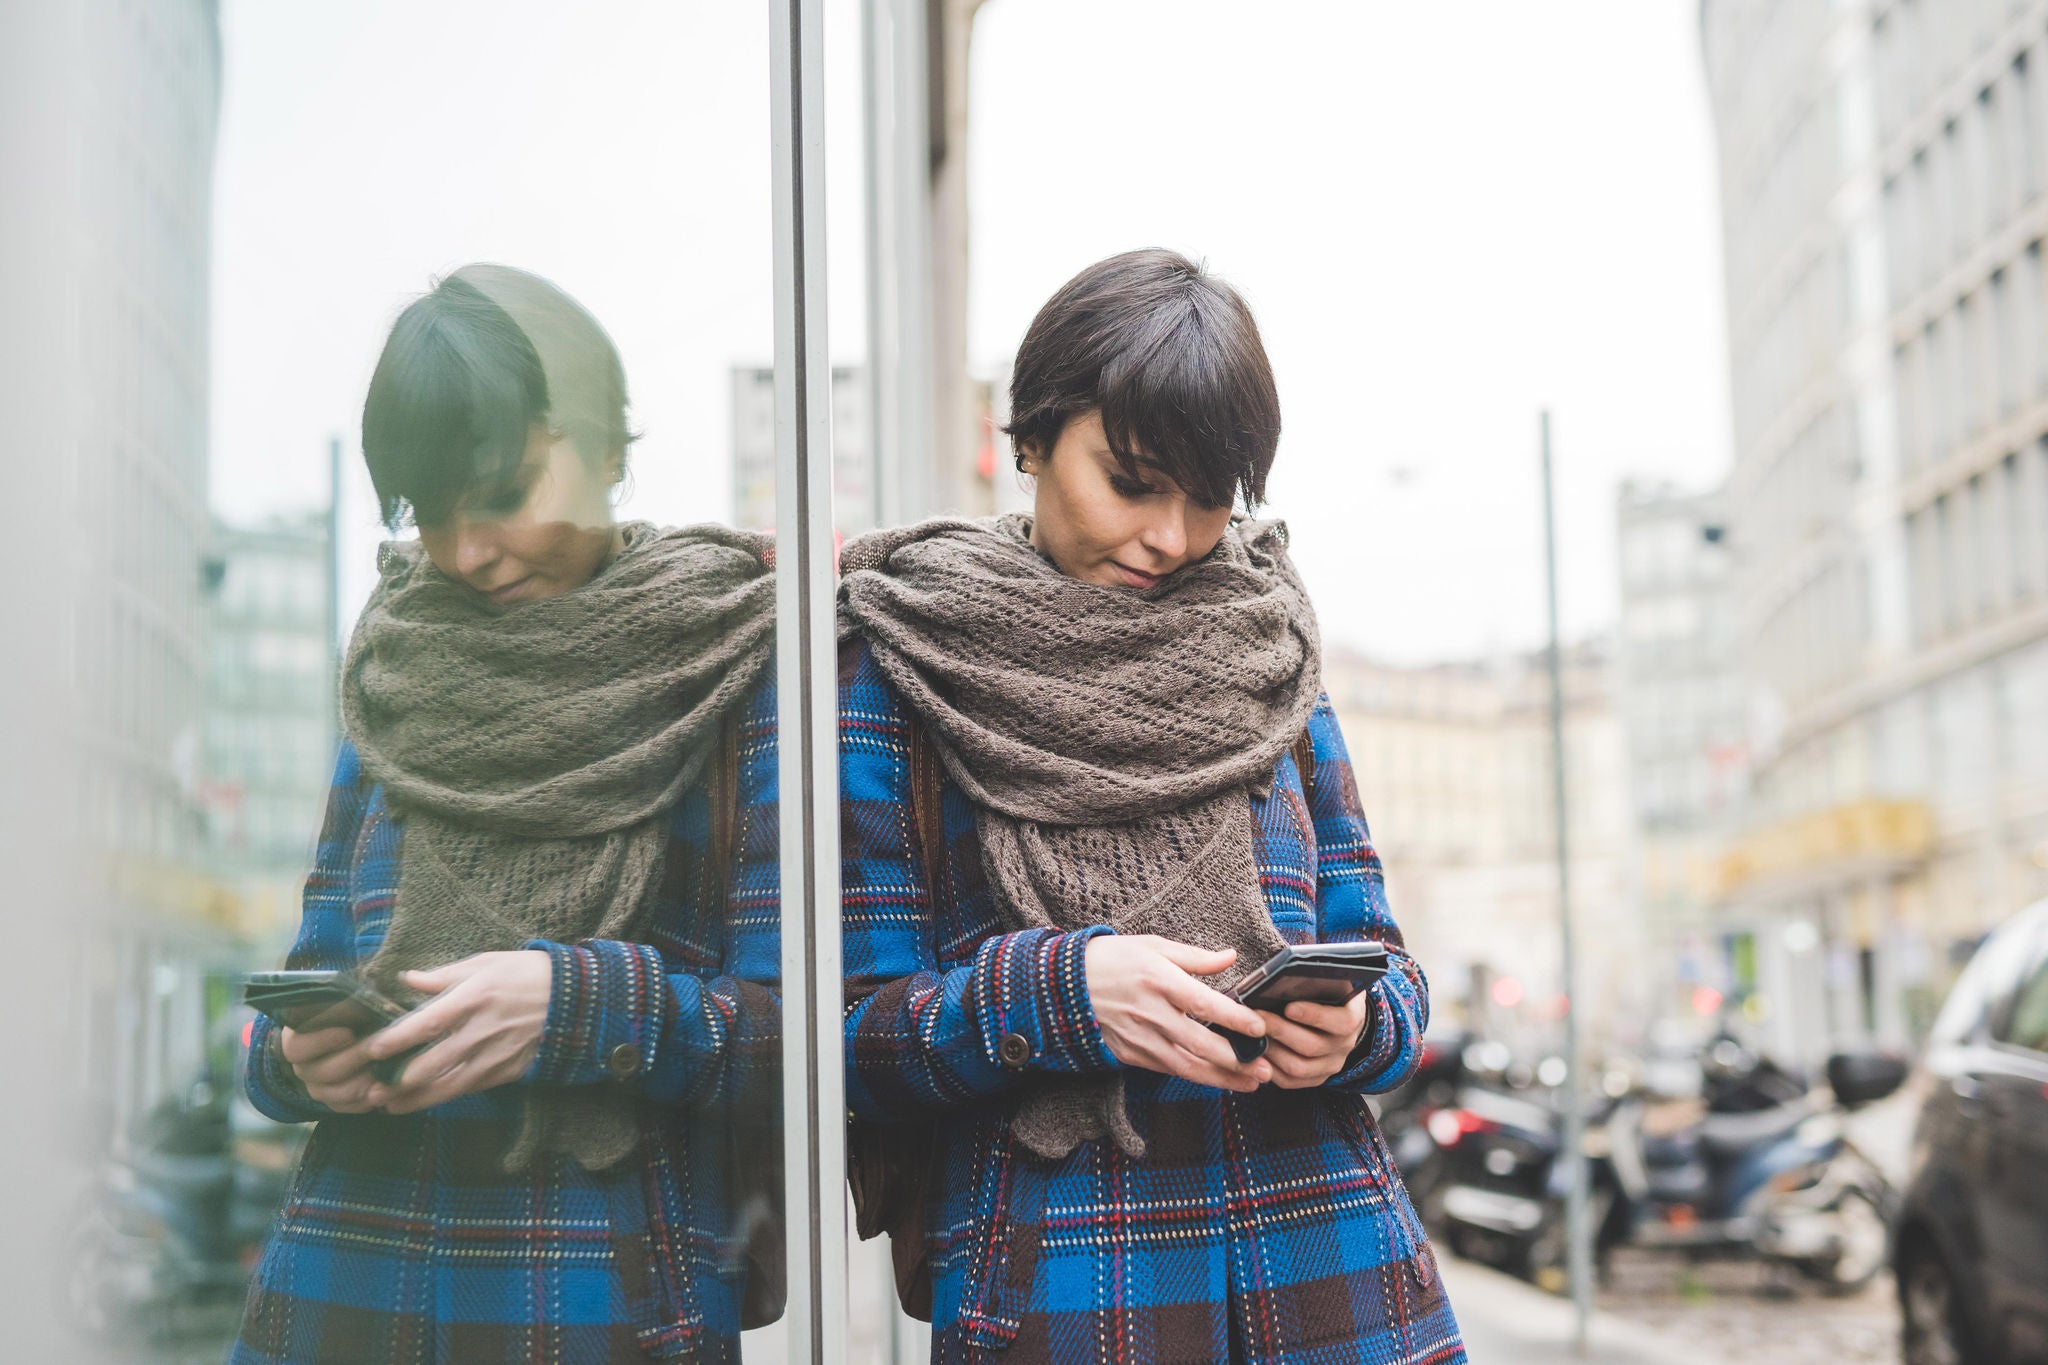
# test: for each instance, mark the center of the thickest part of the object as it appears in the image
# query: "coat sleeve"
(1351, 905)
(921, 1037)
(697, 1019)
(326, 940)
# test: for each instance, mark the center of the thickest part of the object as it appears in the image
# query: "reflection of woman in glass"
(1088, 783)
(552, 826)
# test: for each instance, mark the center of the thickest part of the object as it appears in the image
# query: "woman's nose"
(1167, 534)
(476, 549)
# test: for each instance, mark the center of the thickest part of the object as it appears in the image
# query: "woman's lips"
(511, 592)
(1135, 578)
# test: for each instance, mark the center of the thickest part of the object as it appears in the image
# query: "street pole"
(334, 593)
(1578, 1246)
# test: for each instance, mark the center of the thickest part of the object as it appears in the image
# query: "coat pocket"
(1415, 1288)
(1003, 1262)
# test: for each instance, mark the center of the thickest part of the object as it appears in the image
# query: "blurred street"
(1659, 1311)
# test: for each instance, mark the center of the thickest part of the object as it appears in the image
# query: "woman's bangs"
(1166, 411)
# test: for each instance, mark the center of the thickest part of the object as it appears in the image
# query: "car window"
(1988, 978)
(2026, 1024)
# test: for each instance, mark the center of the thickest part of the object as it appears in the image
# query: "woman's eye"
(1129, 489)
(506, 501)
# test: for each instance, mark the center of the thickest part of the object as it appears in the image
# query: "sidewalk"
(1507, 1322)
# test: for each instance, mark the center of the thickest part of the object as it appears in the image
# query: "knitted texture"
(1107, 737)
(534, 754)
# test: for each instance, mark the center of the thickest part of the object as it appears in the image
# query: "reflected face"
(1098, 525)
(543, 532)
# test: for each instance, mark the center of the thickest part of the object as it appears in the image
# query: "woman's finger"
(1196, 961)
(1294, 1037)
(334, 1068)
(1213, 1049)
(439, 1017)
(1211, 1006)
(297, 1047)
(1338, 1021)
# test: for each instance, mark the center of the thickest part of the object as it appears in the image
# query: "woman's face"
(1097, 525)
(543, 532)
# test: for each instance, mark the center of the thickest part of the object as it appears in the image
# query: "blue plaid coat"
(1268, 1228)
(403, 1239)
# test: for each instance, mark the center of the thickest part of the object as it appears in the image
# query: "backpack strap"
(1305, 761)
(927, 819)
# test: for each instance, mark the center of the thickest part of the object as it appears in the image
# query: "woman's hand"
(1309, 1044)
(483, 1024)
(332, 1065)
(1143, 990)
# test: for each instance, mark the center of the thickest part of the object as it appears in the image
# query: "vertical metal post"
(895, 107)
(333, 586)
(1579, 1249)
(813, 1086)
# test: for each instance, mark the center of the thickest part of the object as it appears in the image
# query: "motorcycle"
(1503, 1196)
(1766, 1170)
(178, 1213)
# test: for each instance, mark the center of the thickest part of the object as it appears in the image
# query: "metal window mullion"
(807, 712)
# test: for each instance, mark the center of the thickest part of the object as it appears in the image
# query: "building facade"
(271, 716)
(854, 494)
(147, 105)
(1682, 711)
(1882, 172)
(1454, 767)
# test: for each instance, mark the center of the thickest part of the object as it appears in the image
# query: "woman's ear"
(1028, 458)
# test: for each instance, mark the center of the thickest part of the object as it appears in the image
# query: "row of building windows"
(1978, 551)
(1975, 365)
(1812, 640)
(1797, 492)
(1955, 742)
(1978, 170)
(1919, 47)
(1795, 347)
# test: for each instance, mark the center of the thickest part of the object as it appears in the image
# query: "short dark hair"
(470, 368)
(1170, 357)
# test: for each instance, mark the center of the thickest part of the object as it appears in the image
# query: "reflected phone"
(308, 999)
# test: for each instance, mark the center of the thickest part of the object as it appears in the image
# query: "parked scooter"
(1503, 1193)
(178, 1212)
(1764, 1169)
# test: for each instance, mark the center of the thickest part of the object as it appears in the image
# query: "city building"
(854, 506)
(981, 475)
(152, 926)
(1454, 768)
(271, 717)
(1882, 167)
(1682, 711)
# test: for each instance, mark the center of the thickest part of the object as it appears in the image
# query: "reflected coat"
(402, 1238)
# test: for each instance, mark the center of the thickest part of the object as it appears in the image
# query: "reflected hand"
(1310, 1043)
(332, 1065)
(484, 1026)
(1143, 990)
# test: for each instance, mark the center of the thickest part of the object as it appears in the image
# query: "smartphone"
(310, 999)
(1326, 973)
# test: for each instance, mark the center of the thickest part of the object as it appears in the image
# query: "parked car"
(1970, 1245)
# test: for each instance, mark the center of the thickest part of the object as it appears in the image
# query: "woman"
(551, 825)
(1089, 782)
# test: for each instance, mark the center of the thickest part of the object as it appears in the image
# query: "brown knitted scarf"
(1107, 737)
(535, 753)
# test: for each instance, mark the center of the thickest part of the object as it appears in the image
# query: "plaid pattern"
(1268, 1228)
(403, 1239)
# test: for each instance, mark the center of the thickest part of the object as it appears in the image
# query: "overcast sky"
(1445, 217)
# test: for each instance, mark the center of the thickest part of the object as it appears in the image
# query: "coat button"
(623, 1061)
(1014, 1051)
